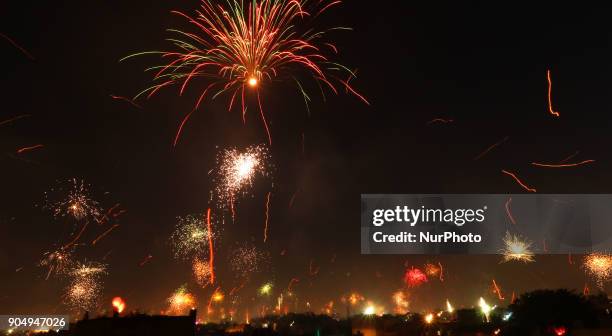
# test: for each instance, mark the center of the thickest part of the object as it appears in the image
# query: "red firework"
(414, 277)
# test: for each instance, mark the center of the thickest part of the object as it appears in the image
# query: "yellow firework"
(517, 249)
(181, 301)
(190, 237)
(201, 271)
(599, 267)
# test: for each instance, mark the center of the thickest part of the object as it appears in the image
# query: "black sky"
(481, 64)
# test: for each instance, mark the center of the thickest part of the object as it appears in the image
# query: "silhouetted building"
(135, 325)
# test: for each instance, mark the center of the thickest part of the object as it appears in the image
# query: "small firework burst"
(190, 237)
(517, 249)
(201, 271)
(432, 270)
(414, 277)
(58, 262)
(247, 260)
(180, 301)
(599, 267)
(85, 286)
(89, 269)
(73, 200)
(265, 289)
(238, 169)
(217, 296)
(400, 299)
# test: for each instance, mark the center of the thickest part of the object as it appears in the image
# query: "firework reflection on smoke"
(247, 260)
(180, 302)
(401, 302)
(238, 169)
(73, 201)
(599, 267)
(190, 237)
(517, 249)
(85, 286)
(201, 271)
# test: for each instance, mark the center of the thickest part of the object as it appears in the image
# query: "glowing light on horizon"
(449, 307)
(485, 308)
(118, 304)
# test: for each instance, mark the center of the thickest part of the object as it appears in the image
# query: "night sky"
(481, 65)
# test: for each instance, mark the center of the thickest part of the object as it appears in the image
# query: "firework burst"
(400, 299)
(414, 277)
(190, 237)
(180, 301)
(599, 267)
(266, 289)
(433, 270)
(238, 169)
(57, 262)
(247, 260)
(517, 249)
(73, 201)
(238, 47)
(201, 271)
(85, 286)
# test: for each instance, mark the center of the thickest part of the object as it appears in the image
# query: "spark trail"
(562, 165)
(550, 108)
(519, 181)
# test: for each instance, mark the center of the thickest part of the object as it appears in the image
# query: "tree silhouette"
(544, 310)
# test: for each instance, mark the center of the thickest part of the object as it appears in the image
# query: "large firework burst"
(599, 267)
(85, 286)
(236, 47)
(517, 249)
